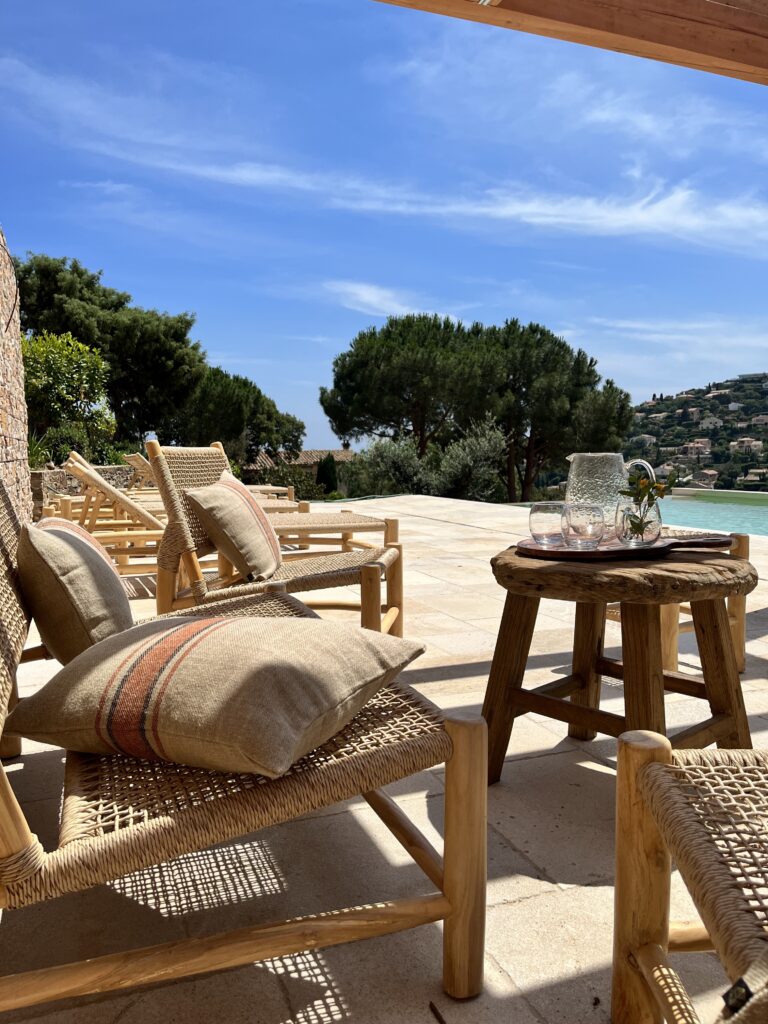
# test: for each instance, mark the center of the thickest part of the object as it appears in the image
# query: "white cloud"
(139, 131)
(373, 299)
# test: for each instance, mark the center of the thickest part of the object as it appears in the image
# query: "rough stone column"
(14, 467)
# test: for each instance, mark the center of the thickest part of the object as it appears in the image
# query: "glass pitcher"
(598, 478)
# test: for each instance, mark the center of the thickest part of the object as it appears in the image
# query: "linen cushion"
(238, 526)
(71, 587)
(243, 694)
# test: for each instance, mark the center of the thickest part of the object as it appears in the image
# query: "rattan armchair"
(120, 815)
(708, 811)
(185, 542)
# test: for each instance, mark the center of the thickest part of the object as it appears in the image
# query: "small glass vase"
(638, 526)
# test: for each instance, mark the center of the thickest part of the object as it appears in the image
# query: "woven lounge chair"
(143, 480)
(177, 470)
(120, 815)
(708, 811)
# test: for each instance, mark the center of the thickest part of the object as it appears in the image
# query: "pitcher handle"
(646, 466)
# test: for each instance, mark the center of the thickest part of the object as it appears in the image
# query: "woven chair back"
(83, 471)
(177, 470)
(14, 620)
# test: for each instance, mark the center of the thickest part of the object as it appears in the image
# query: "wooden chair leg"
(395, 591)
(370, 597)
(507, 670)
(721, 676)
(391, 531)
(465, 857)
(670, 637)
(642, 886)
(643, 674)
(10, 746)
(588, 636)
(166, 590)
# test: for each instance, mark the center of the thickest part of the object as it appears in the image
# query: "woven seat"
(185, 542)
(707, 811)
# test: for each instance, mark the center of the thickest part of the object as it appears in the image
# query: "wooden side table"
(646, 591)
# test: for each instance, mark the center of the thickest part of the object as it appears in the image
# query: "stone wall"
(14, 469)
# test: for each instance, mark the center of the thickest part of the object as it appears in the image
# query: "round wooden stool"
(644, 590)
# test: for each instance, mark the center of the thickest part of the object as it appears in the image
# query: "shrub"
(39, 452)
(64, 381)
(61, 440)
(391, 467)
(471, 467)
(305, 487)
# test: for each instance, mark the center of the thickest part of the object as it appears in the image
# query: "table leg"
(507, 670)
(588, 634)
(720, 670)
(643, 672)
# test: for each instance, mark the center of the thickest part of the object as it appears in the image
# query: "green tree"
(548, 403)
(417, 376)
(64, 381)
(153, 366)
(327, 477)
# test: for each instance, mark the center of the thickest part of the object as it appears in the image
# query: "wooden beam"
(708, 35)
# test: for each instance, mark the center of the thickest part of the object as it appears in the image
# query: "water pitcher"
(598, 478)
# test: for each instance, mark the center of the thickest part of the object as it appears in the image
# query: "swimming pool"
(715, 510)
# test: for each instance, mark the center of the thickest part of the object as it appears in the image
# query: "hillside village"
(714, 437)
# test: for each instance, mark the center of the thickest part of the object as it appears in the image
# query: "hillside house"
(711, 423)
(759, 421)
(746, 446)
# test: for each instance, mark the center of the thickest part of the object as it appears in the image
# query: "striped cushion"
(238, 526)
(71, 587)
(235, 694)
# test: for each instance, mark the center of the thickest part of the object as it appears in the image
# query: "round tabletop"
(683, 577)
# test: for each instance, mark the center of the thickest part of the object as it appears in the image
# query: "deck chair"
(708, 811)
(671, 624)
(130, 532)
(120, 815)
(185, 541)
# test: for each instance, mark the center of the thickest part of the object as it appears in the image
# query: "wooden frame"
(459, 876)
(723, 38)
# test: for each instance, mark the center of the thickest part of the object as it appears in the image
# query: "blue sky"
(294, 172)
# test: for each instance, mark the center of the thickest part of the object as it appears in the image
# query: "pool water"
(718, 512)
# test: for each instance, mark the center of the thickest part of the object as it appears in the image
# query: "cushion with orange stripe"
(238, 526)
(230, 694)
(71, 587)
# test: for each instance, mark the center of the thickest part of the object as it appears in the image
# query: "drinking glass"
(545, 522)
(582, 525)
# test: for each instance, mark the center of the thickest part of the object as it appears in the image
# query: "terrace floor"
(550, 839)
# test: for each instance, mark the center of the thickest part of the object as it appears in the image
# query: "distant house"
(707, 477)
(658, 416)
(662, 472)
(308, 459)
(710, 423)
(311, 458)
(705, 441)
(746, 445)
(735, 406)
(695, 448)
(759, 421)
(753, 378)
(646, 440)
(716, 394)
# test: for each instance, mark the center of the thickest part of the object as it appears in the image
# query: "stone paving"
(550, 839)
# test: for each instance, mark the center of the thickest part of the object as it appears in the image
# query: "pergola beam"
(725, 38)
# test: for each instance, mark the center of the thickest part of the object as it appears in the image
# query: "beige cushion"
(238, 526)
(71, 587)
(235, 694)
